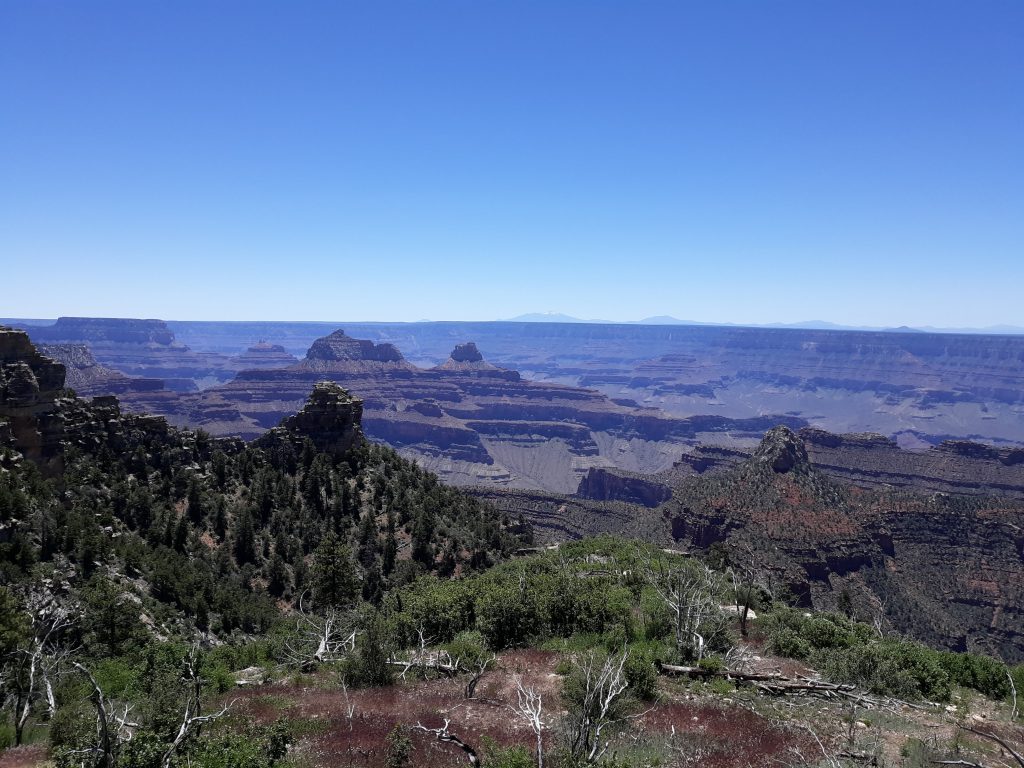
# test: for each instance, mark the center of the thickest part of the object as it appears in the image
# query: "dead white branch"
(191, 719)
(530, 706)
(689, 589)
(321, 639)
(444, 735)
(603, 684)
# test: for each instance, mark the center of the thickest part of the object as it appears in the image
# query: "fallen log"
(774, 683)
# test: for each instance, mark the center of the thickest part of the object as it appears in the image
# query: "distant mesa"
(466, 358)
(105, 329)
(264, 355)
(341, 347)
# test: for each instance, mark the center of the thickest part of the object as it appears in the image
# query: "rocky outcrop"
(138, 349)
(39, 418)
(30, 386)
(87, 377)
(263, 355)
(467, 420)
(340, 348)
(782, 450)
(600, 484)
(330, 419)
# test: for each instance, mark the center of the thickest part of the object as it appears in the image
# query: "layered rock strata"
(466, 419)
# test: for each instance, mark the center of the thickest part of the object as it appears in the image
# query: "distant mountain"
(548, 317)
(998, 329)
(665, 320)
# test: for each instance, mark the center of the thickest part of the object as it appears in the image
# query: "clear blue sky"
(859, 162)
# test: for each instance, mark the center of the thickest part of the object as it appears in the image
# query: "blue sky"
(859, 162)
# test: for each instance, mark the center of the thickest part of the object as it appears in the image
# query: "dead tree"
(113, 728)
(1017, 756)
(689, 590)
(747, 579)
(39, 663)
(424, 659)
(529, 706)
(444, 735)
(1013, 700)
(476, 673)
(322, 639)
(191, 719)
(602, 686)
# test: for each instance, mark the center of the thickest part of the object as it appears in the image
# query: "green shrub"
(639, 669)
(784, 641)
(888, 668)
(397, 749)
(508, 615)
(972, 670)
(145, 750)
(496, 756)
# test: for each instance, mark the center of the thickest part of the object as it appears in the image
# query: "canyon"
(929, 543)
(554, 400)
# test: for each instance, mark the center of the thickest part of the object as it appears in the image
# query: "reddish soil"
(718, 736)
(23, 757)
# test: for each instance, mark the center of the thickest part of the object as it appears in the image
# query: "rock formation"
(138, 348)
(30, 385)
(467, 420)
(874, 461)
(330, 419)
(263, 355)
(782, 450)
(340, 348)
(600, 484)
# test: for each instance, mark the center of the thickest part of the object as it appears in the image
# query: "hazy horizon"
(742, 163)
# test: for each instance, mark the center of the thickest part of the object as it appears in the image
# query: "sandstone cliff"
(467, 420)
(30, 385)
(330, 419)
(874, 461)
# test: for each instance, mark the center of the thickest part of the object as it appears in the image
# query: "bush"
(145, 750)
(972, 670)
(889, 668)
(785, 641)
(643, 682)
(507, 615)
(397, 749)
(496, 756)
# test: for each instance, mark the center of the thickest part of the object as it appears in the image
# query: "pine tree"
(334, 574)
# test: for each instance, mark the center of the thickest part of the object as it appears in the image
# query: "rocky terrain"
(917, 388)
(30, 385)
(39, 417)
(148, 349)
(874, 461)
(465, 419)
(947, 568)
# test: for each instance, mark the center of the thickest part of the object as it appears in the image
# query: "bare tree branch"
(442, 734)
(529, 706)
